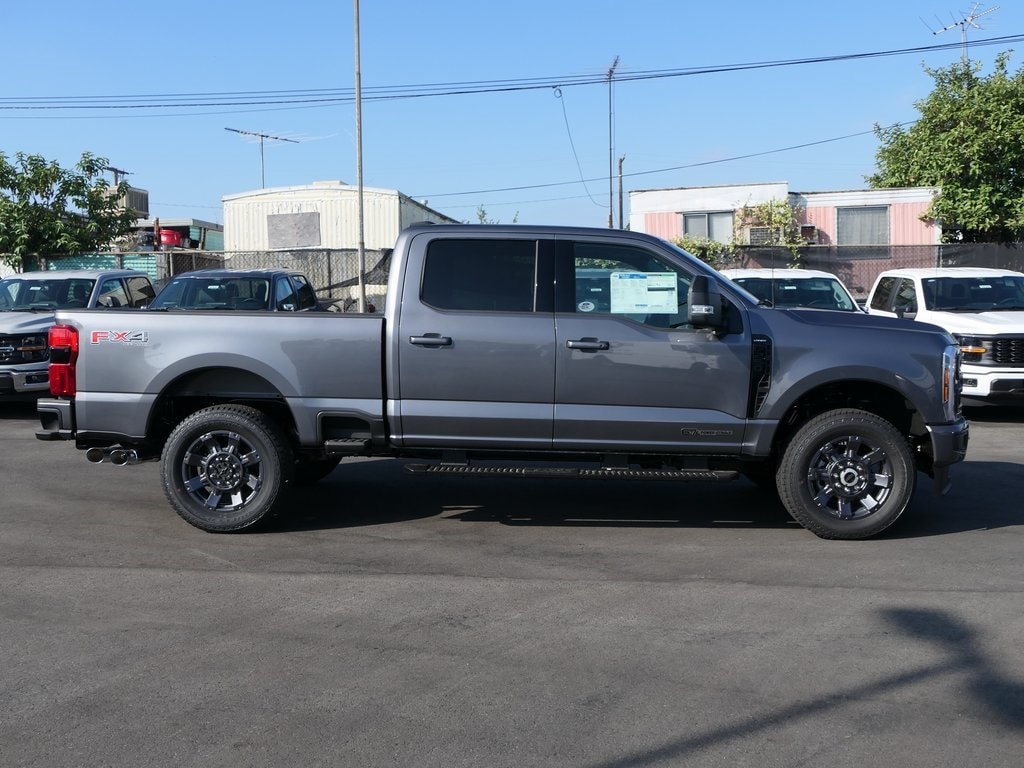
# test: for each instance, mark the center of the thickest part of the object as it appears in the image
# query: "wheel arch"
(198, 389)
(880, 399)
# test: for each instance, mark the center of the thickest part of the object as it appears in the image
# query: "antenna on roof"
(261, 136)
(118, 173)
(969, 20)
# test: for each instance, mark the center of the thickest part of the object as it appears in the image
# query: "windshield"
(1002, 293)
(19, 293)
(214, 293)
(813, 292)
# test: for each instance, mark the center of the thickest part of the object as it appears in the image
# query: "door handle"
(431, 340)
(588, 344)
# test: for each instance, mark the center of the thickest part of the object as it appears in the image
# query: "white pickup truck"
(983, 308)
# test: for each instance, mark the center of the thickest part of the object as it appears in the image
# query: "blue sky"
(537, 154)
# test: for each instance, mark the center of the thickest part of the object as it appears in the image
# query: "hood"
(835, 319)
(981, 323)
(25, 322)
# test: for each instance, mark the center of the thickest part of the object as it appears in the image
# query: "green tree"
(483, 218)
(968, 143)
(46, 209)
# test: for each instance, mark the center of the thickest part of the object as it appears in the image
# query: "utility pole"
(621, 161)
(359, 168)
(261, 136)
(611, 73)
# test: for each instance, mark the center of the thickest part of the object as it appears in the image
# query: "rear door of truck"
(474, 350)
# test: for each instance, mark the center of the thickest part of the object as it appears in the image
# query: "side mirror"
(704, 309)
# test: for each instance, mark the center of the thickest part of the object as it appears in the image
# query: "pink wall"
(824, 218)
(906, 228)
(667, 226)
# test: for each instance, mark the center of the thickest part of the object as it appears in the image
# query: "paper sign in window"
(648, 292)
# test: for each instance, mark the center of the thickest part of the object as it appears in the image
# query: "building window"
(863, 225)
(716, 226)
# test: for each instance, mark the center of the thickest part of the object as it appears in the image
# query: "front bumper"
(949, 446)
(25, 381)
(983, 381)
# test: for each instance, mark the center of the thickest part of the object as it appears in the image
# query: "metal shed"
(323, 214)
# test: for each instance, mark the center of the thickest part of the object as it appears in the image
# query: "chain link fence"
(334, 272)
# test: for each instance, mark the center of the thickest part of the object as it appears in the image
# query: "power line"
(334, 96)
(659, 170)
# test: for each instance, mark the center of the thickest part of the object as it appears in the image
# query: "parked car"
(28, 301)
(983, 308)
(266, 290)
(795, 288)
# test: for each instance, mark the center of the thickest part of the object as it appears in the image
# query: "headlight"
(972, 347)
(951, 383)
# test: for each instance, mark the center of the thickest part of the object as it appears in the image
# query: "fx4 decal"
(119, 337)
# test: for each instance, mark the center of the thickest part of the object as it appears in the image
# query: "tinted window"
(112, 294)
(880, 299)
(304, 292)
(480, 275)
(814, 292)
(906, 297)
(631, 282)
(140, 290)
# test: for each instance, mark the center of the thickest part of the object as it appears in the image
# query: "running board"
(346, 446)
(573, 472)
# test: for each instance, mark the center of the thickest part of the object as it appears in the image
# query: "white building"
(324, 214)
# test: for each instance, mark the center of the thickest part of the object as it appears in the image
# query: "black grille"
(1008, 350)
(23, 349)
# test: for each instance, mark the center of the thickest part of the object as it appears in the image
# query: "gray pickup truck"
(567, 352)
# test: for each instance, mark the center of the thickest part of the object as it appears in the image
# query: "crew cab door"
(631, 374)
(474, 348)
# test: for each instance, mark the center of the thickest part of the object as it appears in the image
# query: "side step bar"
(573, 472)
(346, 446)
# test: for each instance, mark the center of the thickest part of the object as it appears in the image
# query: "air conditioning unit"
(809, 234)
(764, 235)
(137, 200)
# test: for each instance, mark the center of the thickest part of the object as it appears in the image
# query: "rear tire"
(224, 468)
(847, 474)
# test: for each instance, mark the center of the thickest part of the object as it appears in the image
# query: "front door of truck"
(630, 374)
(474, 351)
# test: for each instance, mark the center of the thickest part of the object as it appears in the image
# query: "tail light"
(63, 356)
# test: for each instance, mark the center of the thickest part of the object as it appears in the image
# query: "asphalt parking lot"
(394, 620)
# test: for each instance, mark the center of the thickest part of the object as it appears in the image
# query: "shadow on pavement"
(380, 492)
(17, 409)
(987, 690)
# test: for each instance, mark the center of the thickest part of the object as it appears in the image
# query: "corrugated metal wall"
(385, 214)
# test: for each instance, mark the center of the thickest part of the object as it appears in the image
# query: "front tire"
(847, 474)
(224, 468)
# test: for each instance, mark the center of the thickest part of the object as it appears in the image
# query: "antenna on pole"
(118, 173)
(261, 136)
(969, 20)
